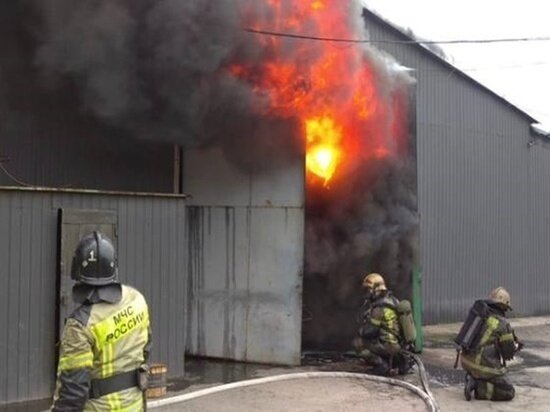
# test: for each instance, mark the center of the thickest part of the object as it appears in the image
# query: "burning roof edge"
(418, 44)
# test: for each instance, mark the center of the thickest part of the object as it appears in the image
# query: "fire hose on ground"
(424, 380)
(424, 393)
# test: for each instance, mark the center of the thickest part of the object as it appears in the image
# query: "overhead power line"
(341, 40)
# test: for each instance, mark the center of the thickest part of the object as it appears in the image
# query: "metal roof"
(418, 44)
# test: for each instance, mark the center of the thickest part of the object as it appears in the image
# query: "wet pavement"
(529, 372)
(304, 395)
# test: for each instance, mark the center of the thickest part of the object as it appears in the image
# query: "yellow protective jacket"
(380, 321)
(108, 335)
(496, 345)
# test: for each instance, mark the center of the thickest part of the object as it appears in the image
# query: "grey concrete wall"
(245, 237)
(483, 192)
(151, 257)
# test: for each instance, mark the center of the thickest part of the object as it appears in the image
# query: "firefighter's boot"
(382, 368)
(469, 386)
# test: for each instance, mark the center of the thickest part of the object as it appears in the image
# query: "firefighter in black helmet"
(485, 363)
(106, 340)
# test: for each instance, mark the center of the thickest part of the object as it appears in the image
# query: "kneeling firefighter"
(106, 340)
(386, 329)
(485, 342)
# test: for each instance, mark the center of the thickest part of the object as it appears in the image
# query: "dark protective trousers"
(378, 355)
(495, 389)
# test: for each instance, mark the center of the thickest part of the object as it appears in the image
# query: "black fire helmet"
(94, 261)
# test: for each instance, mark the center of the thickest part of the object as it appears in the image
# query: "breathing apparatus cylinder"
(404, 314)
(469, 334)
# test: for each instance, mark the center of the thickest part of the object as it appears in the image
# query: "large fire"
(323, 139)
(329, 87)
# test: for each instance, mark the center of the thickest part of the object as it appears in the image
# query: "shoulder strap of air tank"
(386, 303)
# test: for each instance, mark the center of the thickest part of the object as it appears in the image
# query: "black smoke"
(159, 70)
(365, 221)
(150, 67)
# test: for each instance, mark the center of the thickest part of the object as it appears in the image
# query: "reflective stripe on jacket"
(101, 340)
(381, 322)
(484, 361)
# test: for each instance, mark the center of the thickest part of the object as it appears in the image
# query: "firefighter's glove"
(506, 346)
(519, 346)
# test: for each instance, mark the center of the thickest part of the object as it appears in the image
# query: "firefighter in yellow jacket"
(485, 364)
(379, 333)
(106, 340)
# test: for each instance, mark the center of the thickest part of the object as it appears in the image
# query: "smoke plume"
(185, 71)
(371, 225)
(153, 68)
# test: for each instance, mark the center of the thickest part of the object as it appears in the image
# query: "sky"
(519, 72)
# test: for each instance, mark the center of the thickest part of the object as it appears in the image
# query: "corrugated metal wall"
(483, 193)
(64, 155)
(152, 250)
(246, 242)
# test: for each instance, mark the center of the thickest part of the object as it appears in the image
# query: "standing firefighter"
(383, 321)
(487, 341)
(106, 340)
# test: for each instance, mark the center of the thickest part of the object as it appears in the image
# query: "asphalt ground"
(529, 372)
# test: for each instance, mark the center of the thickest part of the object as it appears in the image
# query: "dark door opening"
(364, 219)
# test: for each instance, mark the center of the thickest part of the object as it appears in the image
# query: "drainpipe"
(417, 307)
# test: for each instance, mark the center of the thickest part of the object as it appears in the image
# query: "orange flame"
(331, 89)
(323, 147)
(318, 4)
